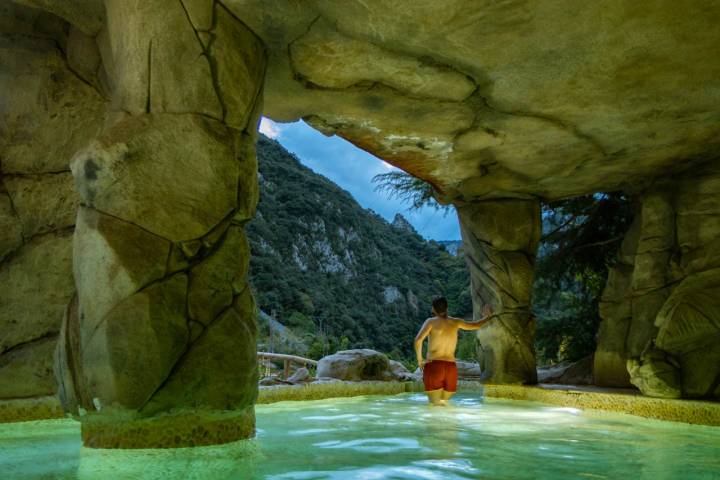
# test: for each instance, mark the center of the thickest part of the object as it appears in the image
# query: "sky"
(353, 169)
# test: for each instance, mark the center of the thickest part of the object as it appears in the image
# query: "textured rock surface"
(501, 239)
(660, 306)
(214, 282)
(131, 352)
(158, 349)
(44, 203)
(300, 375)
(27, 369)
(560, 109)
(219, 370)
(46, 113)
(483, 100)
(355, 365)
(36, 287)
(429, 90)
(118, 259)
(173, 175)
(655, 374)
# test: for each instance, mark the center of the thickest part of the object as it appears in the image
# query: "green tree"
(579, 246)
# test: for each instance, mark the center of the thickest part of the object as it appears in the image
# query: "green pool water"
(391, 437)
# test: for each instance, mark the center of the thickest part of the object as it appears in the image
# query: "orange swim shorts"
(439, 374)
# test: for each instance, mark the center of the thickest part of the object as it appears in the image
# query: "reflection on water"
(390, 437)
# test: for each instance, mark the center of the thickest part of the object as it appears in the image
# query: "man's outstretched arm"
(487, 315)
(419, 339)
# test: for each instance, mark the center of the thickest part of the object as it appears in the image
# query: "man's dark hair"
(440, 306)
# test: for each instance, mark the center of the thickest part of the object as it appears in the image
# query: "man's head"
(439, 306)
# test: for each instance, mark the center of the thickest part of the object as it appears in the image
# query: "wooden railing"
(287, 359)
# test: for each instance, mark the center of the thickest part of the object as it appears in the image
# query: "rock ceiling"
(490, 98)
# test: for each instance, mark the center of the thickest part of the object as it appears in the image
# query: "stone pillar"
(157, 349)
(501, 238)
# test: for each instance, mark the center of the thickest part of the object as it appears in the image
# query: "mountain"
(401, 223)
(336, 274)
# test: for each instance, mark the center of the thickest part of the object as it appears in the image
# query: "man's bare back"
(442, 333)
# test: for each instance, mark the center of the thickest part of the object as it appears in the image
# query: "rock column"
(501, 238)
(157, 349)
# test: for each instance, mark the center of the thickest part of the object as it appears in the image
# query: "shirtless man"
(440, 371)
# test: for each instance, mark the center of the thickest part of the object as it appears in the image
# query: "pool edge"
(29, 409)
(697, 412)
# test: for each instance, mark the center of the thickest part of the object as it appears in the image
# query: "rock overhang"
(486, 99)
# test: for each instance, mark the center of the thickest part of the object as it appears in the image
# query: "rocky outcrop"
(401, 223)
(501, 238)
(660, 306)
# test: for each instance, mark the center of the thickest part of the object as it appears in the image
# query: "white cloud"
(269, 128)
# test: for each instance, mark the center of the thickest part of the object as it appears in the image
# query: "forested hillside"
(338, 275)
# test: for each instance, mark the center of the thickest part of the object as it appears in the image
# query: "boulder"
(468, 369)
(355, 365)
(689, 329)
(400, 372)
(300, 375)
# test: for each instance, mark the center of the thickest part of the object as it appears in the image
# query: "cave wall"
(47, 111)
(660, 310)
